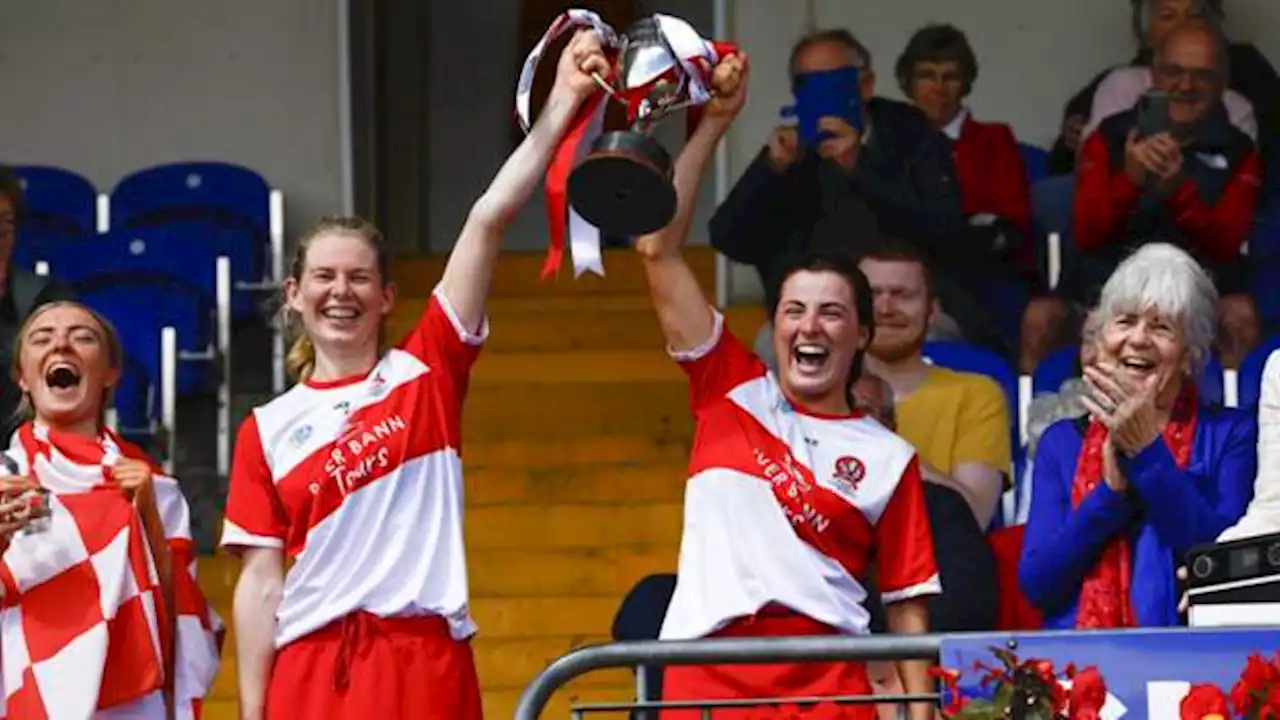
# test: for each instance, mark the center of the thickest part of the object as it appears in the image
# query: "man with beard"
(958, 422)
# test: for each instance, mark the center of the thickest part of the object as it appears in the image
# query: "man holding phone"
(1175, 170)
(841, 146)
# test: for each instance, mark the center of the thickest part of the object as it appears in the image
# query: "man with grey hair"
(1176, 170)
(886, 172)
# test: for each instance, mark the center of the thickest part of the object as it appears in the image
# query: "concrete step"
(519, 274)
(576, 483)
(537, 411)
(601, 367)
(565, 451)
(542, 616)
(501, 704)
(510, 663)
(498, 704)
(560, 571)
(577, 322)
(547, 527)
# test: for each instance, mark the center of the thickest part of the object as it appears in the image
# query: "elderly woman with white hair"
(1121, 494)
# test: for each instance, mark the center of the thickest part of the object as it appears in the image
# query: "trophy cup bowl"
(623, 186)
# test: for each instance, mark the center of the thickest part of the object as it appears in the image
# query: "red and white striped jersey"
(360, 482)
(82, 609)
(787, 506)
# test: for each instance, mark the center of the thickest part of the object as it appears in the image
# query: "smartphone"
(1153, 114)
(829, 93)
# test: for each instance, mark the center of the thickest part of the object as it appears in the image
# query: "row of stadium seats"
(172, 256)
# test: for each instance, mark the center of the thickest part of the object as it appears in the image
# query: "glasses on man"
(1199, 77)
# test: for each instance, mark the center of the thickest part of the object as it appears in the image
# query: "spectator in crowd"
(1122, 87)
(899, 168)
(1195, 184)
(966, 567)
(1263, 515)
(1252, 76)
(1122, 494)
(21, 291)
(936, 72)
(959, 422)
(766, 551)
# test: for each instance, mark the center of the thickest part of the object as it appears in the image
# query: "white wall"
(110, 86)
(1032, 55)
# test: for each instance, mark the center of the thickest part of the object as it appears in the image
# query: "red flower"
(951, 680)
(1204, 702)
(1088, 695)
(1254, 684)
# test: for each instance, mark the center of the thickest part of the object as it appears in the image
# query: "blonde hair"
(115, 353)
(300, 361)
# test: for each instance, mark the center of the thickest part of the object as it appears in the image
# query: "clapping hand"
(1126, 407)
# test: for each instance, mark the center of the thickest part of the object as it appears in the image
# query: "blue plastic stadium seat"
(135, 402)
(1054, 370)
(1251, 368)
(187, 253)
(57, 201)
(1036, 162)
(201, 190)
(139, 305)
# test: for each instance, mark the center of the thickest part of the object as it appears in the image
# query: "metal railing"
(737, 651)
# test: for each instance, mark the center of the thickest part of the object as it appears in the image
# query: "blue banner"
(1147, 671)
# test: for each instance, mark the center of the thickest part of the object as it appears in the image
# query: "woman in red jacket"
(936, 72)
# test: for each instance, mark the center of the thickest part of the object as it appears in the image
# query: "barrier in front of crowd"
(637, 654)
(1147, 671)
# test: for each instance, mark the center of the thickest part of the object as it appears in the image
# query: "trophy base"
(623, 186)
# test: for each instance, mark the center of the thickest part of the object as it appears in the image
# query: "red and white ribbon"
(696, 57)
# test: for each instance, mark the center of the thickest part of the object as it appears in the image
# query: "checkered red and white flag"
(82, 615)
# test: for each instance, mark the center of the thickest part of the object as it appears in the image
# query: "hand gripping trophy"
(619, 182)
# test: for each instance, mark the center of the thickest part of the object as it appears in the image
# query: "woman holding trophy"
(354, 474)
(793, 494)
(101, 613)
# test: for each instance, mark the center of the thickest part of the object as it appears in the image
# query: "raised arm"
(469, 272)
(683, 311)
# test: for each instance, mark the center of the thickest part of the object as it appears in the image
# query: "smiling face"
(1144, 344)
(816, 334)
(340, 294)
(937, 88)
(1188, 68)
(66, 364)
(903, 305)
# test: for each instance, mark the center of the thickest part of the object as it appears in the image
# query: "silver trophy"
(623, 186)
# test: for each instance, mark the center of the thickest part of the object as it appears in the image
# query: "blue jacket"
(1166, 511)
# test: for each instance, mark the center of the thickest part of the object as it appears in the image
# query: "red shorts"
(363, 666)
(729, 682)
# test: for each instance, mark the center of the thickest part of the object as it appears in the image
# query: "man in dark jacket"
(21, 291)
(898, 167)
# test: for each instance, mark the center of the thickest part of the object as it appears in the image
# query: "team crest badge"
(849, 471)
(300, 435)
